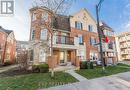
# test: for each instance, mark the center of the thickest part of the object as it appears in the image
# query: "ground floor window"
(42, 55)
(93, 56)
(31, 55)
(81, 54)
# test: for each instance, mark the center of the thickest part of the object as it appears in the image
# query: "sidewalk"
(76, 75)
(113, 82)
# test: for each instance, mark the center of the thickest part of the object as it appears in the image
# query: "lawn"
(34, 81)
(97, 71)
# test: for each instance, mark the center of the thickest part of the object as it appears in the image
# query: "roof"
(40, 7)
(6, 31)
(84, 9)
(61, 22)
(106, 26)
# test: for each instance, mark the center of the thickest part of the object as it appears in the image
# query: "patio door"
(62, 57)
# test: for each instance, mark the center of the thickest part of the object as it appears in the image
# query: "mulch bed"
(14, 72)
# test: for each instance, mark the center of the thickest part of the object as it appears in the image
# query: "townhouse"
(123, 45)
(109, 47)
(7, 46)
(74, 37)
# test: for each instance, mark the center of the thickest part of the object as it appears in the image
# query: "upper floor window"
(110, 45)
(33, 34)
(90, 28)
(78, 25)
(92, 41)
(45, 16)
(33, 16)
(43, 34)
(108, 33)
(80, 39)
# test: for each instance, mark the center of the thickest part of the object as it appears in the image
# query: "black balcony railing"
(64, 40)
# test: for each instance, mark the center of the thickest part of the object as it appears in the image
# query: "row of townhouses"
(70, 39)
(75, 38)
(7, 46)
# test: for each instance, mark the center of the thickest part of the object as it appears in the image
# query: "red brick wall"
(86, 37)
(11, 46)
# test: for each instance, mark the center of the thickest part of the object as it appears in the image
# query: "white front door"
(42, 56)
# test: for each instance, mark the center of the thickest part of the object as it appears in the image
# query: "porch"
(64, 59)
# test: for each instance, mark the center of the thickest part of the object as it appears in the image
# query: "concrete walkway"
(6, 68)
(125, 62)
(115, 82)
(76, 75)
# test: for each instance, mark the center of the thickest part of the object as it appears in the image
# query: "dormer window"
(45, 16)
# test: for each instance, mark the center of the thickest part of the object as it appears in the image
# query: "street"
(115, 82)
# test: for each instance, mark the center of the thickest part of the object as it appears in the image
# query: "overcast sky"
(116, 13)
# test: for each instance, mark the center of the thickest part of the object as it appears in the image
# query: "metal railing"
(64, 40)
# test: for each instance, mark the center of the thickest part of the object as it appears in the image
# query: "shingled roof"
(61, 22)
(6, 31)
(106, 26)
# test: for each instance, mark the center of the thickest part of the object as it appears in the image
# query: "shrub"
(35, 69)
(43, 68)
(83, 65)
(7, 63)
(91, 65)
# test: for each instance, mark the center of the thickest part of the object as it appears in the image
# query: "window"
(33, 35)
(110, 45)
(44, 34)
(92, 41)
(31, 55)
(34, 16)
(80, 39)
(93, 56)
(45, 16)
(81, 54)
(90, 28)
(78, 25)
(42, 55)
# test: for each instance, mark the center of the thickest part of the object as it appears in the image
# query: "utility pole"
(99, 33)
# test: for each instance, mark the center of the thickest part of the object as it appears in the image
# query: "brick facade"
(74, 37)
(8, 46)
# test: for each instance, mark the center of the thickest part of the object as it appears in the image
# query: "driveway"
(115, 82)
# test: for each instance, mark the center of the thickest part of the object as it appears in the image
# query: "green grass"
(97, 72)
(35, 81)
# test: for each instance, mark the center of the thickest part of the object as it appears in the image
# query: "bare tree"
(22, 59)
(56, 7)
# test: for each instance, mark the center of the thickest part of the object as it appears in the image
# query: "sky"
(116, 13)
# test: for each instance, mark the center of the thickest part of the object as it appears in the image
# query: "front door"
(69, 56)
(62, 57)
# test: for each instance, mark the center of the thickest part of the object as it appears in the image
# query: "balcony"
(65, 40)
